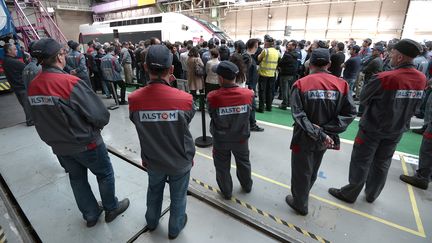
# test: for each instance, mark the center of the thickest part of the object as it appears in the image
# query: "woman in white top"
(212, 82)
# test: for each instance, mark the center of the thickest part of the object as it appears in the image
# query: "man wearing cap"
(372, 66)
(69, 116)
(111, 72)
(126, 62)
(390, 99)
(32, 68)
(423, 175)
(322, 108)
(352, 67)
(76, 63)
(169, 155)
(13, 69)
(229, 109)
(268, 60)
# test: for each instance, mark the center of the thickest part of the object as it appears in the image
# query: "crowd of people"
(319, 80)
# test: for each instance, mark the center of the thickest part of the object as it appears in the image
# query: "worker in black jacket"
(390, 99)
(322, 108)
(288, 68)
(13, 69)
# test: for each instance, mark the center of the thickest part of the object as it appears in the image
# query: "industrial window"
(140, 21)
(133, 21)
(146, 21)
(113, 24)
(158, 19)
(151, 20)
(137, 21)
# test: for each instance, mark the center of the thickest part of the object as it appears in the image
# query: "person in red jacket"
(161, 115)
(69, 117)
(322, 108)
(390, 99)
(229, 109)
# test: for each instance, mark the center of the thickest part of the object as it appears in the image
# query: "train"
(165, 26)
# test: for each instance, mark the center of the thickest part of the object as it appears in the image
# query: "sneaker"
(256, 128)
(338, 194)
(122, 206)
(91, 223)
(172, 237)
(415, 181)
(290, 201)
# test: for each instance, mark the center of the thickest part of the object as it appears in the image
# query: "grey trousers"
(23, 100)
(370, 162)
(425, 160)
(304, 170)
(286, 82)
(222, 161)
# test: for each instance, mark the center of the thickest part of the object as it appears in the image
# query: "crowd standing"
(320, 82)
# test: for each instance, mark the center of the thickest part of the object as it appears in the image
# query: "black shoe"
(226, 197)
(290, 201)
(247, 189)
(282, 107)
(268, 109)
(30, 123)
(359, 114)
(91, 223)
(108, 96)
(256, 128)
(369, 199)
(172, 237)
(122, 206)
(418, 131)
(338, 194)
(123, 103)
(415, 181)
(260, 110)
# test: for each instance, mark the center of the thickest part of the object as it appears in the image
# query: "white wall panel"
(366, 16)
(259, 22)
(317, 17)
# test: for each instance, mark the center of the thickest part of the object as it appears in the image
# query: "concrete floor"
(391, 218)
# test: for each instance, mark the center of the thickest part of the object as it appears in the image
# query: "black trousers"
(304, 169)
(370, 162)
(265, 92)
(222, 161)
(24, 102)
(122, 85)
(425, 159)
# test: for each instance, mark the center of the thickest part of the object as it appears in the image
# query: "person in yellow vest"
(268, 62)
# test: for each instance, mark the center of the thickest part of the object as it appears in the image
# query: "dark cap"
(379, 48)
(320, 57)
(356, 48)
(409, 47)
(226, 69)
(46, 47)
(159, 57)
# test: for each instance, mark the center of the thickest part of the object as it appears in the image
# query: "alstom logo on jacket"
(229, 109)
(322, 86)
(161, 115)
(391, 98)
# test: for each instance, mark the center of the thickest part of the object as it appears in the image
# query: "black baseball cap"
(159, 57)
(379, 48)
(46, 47)
(226, 69)
(320, 57)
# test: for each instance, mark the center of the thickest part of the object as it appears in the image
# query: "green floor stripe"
(410, 142)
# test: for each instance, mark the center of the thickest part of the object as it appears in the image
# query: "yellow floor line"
(420, 232)
(413, 200)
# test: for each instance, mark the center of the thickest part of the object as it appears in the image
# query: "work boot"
(290, 201)
(91, 223)
(172, 237)
(256, 128)
(337, 193)
(122, 206)
(415, 181)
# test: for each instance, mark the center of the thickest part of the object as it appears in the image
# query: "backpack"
(224, 53)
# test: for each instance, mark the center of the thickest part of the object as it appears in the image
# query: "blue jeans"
(98, 161)
(178, 187)
(351, 84)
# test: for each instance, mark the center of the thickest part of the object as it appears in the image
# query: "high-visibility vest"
(269, 63)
